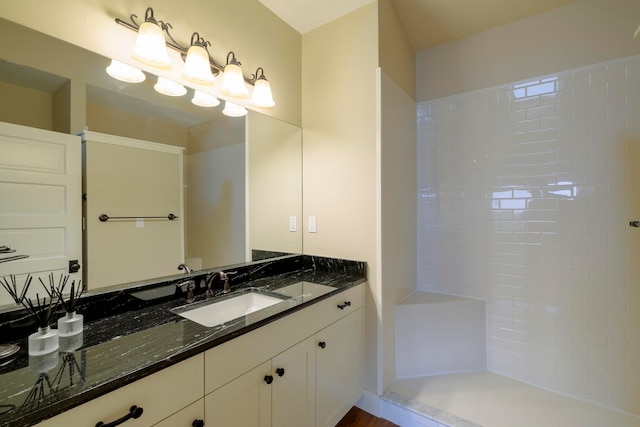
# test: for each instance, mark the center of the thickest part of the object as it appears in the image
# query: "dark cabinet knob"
(197, 423)
(280, 372)
(322, 344)
(345, 305)
(268, 379)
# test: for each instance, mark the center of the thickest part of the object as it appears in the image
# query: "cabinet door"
(339, 368)
(293, 394)
(245, 401)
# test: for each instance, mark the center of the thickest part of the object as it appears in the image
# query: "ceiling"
(428, 23)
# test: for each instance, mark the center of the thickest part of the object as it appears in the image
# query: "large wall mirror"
(242, 175)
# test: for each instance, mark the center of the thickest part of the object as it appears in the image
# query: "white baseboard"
(405, 417)
(369, 402)
(390, 411)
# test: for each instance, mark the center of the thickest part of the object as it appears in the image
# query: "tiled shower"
(525, 194)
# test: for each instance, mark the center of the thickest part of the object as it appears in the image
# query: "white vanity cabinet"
(160, 396)
(279, 392)
(305, 369)
(318, 351)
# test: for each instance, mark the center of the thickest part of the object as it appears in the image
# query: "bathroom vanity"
(297, 363)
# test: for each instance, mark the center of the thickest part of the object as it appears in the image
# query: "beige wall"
(107, 119)
(257, 36)
(397, 58)
(581, 33)
(274, 188)
(398, 211)
(339, 64)
(28, 107)
(397, 185)
(215, 205)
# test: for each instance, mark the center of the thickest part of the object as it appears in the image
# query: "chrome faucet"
(188, 285)
(223, 276)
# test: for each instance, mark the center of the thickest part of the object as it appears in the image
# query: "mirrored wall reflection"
(234, 174)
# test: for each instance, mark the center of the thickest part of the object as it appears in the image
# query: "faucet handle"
(184, 267)
(225, 276)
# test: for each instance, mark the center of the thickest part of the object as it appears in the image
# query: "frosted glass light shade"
(261, 96)
(233, 110)
(233, 81)
(202, 99)
(150, 47)
(196, 67)
(125, 72)
(169, 88)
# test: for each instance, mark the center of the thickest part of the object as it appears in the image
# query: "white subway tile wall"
(525, 193)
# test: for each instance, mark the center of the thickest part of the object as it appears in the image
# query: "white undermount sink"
(230, 308)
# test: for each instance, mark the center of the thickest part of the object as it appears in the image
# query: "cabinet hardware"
(134, 412)
(268, 379)
(635, 224)
(345, 305)
(280, 372)
(322, 344)
(197, 423)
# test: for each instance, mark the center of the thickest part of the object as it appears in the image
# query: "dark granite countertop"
(135, 336)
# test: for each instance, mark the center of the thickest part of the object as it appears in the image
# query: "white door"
(40, 203)
(142, 182)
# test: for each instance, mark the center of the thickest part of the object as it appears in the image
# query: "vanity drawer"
(338, 306)
(159, 395)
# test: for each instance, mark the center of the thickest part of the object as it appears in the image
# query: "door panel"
(40, 213)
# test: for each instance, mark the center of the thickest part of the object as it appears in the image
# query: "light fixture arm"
(231, 59)
(173, 44)
(196, 40)
(259, 75)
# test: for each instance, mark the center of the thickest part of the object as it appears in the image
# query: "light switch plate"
(293, 223)
(313, 224)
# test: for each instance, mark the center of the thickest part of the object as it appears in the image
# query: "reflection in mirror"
(242, 176)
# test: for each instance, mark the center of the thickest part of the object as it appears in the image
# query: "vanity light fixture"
(125, 72)
(169, 88)
(150, 47)
(232, 78)
(261, 96)
(202, 99)
(233, 110)
(197, 68)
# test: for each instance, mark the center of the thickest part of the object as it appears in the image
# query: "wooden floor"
(356, 417)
